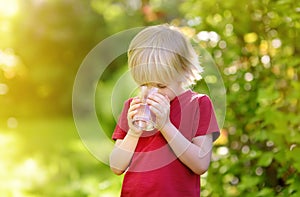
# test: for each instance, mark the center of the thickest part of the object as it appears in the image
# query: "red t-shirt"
(155, 170)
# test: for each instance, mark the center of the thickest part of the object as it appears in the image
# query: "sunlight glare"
(12, 123)
(5, 140)
(11, 64)
(223, 150)
(29, 166)
(3, 89)
(7, 58)
(8, 8)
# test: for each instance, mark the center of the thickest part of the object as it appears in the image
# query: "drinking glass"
(145, 119)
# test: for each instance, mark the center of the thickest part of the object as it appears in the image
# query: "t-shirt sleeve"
(122, 124)
(206, 118)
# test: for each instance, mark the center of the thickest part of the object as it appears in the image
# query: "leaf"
(248, 182)
(267, 95)
(266, 192)
(266, 159)
(294, 154)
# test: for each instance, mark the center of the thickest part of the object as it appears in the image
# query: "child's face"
(170, 90)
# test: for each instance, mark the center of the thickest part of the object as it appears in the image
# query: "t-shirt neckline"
(180, 95)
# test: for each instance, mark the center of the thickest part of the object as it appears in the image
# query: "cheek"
(168, 93)
(163, 92)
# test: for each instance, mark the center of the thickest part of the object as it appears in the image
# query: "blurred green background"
(255, 45)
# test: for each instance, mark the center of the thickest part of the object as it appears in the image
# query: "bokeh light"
(8, 8)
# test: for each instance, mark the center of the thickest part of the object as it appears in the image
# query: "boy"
(169, 160)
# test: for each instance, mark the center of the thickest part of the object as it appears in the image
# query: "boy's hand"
(160, 106)
(132, 111)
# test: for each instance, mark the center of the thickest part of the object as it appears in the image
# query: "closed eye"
(158, 85)
(161, 86)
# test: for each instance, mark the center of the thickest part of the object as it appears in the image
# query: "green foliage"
(260, 65)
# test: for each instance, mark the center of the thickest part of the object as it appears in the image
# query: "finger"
(153, 102)
(160, 109)
(156, 111)
(131, 114)
(135, 100)
(134, 107)
(160, 117)
(134, 104)
(160, 105)
(159, 98)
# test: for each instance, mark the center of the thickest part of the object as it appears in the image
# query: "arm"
(123, 150)
(122, 153)
(196, 154)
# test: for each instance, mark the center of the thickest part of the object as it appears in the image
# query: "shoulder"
(200, 98)
(127, 102)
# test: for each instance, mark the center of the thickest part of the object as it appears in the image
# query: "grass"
(46, 157)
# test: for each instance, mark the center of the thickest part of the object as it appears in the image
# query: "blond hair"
(163, 54)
